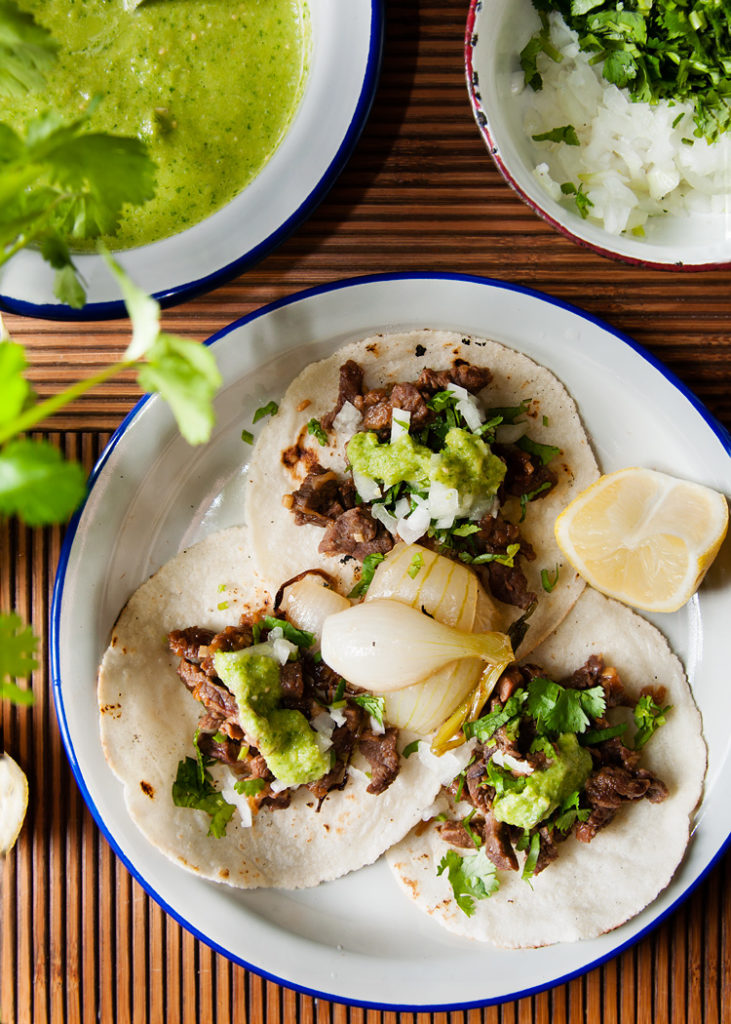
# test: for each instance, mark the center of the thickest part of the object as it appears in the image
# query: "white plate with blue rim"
(345, 55)
(358, 940)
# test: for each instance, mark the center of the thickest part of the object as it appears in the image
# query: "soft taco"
(520, 856)
(179, 718)
(454, 442)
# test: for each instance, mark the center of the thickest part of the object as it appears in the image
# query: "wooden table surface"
(79, 939)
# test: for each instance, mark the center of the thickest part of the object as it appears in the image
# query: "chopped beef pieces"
(599, 817)
(350, 387)
(507, 584)
(548, 848)
(471, 378)
(382, 755)
(497, 845)
(319, 499)
(525, 473)
(344, 738)
(186, 643)
(232, 638)
(355, 533)
(292, 681)
(454, 833)
(226, 750)
(612, 785)
(378, 408)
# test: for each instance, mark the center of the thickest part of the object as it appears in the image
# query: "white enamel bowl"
(497, 30)
(345, 61)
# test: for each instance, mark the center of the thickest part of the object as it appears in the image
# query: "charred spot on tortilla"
(147, 789)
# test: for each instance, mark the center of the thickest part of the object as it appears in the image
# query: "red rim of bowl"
(483, 124)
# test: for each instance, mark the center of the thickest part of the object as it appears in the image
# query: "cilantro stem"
(43, 410)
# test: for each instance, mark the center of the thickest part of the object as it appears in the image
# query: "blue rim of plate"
(189, 290)
(714, 424)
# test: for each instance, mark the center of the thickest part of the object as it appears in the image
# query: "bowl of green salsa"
(187, 137)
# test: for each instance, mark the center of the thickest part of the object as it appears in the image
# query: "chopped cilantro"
(544, 452)
(529, 867)
(193, 787)
(531, 496)
(417, 562)
(549, 582)
(410, 748)
(570, 812)
(370, 562)
(592, 736)
(648, 718)
(247, 437)
(317, 430)
(222, 606)
(581, 199)
(485, 727)
(472, 877)
(219, 737)
(559, 709)
(340, 691)
(679, 51)
(507, 559)
(476, 840)
(511, 413)
(249, 787)
(270, 409)
(566, 133)
(374, 706)
(299, 637)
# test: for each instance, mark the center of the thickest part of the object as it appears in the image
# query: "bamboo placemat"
(81, 941)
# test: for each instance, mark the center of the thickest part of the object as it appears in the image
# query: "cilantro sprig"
(193, 787)
(18, 647)
(472, 877)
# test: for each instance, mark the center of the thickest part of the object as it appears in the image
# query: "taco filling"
(548, 762)
(427, 464)
(276, 715)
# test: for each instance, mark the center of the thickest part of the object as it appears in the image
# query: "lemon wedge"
(13, 802)
(644, 537)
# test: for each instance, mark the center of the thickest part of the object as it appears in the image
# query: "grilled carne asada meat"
(307, 686)
(615, 776)
(330, 501)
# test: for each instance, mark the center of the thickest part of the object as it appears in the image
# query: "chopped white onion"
(448, 765)
(410, 528)
(512, 763)
(382, 515)
(400, 423)
(347, 421)
(468, 406)
(366, 487)
(377, 727)
(338, 716)
(443, 504)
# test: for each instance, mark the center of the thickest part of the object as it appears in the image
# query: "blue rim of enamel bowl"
(189, 290)
(55, 657)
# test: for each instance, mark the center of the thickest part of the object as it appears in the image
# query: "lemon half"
(644, 537)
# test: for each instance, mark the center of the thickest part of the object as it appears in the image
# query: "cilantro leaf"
(529, 867)
(185, 375)
(37, 484)
(566, 133)
(300, 637)
(27, 50)
(485, 727)
(560, 709)
(15, 391)
(190, 789)
(17, 649)
(249, 787)
(544, 452)
(374, 706)
(270, 409)
(472, 877)
(648, 718)
(316, 429)
(370, 563)
(548, 582)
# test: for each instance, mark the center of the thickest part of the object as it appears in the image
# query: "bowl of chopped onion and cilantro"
(612, 119)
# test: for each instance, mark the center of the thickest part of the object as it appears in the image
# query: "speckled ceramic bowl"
(497, 30)
(345, 61)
